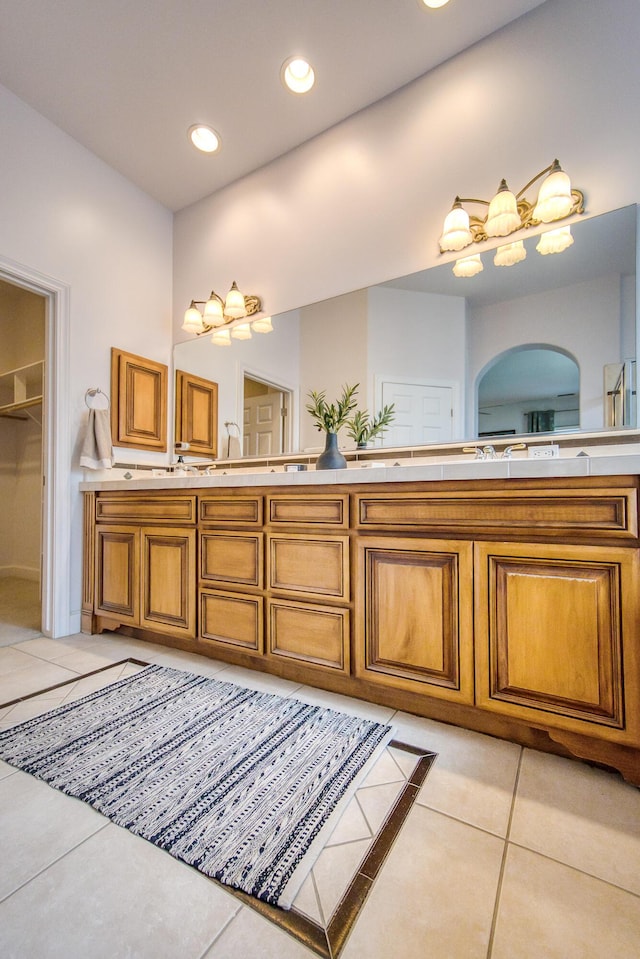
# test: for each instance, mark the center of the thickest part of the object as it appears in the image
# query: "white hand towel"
(234, 451)
(97, 451)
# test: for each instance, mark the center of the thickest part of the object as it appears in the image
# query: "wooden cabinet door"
(556, 629)
(168, 580)
(138, 401)
(414, 615)
(231, 558)
(196, 421)
(117, 573)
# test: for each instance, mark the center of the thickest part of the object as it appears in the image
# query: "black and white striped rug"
(243, 785)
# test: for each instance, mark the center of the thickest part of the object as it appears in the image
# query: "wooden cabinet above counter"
(507, 606)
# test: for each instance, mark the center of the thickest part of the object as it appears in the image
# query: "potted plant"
(329, 417)
(362, 427)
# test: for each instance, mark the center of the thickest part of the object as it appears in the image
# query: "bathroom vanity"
(494, 596)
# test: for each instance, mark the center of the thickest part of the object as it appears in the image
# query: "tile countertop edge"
(521, 468)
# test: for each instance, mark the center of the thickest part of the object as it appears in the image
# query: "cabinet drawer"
(288, 510)
(318, 635)
(231, 619)
(316, 567)
(145, 508)
(232, 558)
(593, 512)
(231, 510)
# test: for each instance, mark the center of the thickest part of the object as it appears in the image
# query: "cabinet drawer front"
(145, 508)
(549, 632)
(332, 510)
(593, 512)
(315, 567)
(414, 616)
(317, 635)
(168, 580)
(232, 558)
(231, 510)
(231, 619)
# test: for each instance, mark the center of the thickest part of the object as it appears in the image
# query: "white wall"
(65, 214)
(365, 201)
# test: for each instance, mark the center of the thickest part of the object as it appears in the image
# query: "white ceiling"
(126, 78)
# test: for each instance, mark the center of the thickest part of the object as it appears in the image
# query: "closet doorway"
(22, 388)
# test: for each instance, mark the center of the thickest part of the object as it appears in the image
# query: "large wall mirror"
(510, 351)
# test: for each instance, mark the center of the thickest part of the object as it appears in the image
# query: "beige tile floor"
(506, 854)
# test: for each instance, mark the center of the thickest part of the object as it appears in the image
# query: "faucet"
(506, 455)
(489, 452)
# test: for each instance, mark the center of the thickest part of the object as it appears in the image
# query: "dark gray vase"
(331, 458)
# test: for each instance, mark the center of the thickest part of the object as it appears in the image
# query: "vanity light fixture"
(509, 212)
(297, 74)
(226, 318)
(204, 138)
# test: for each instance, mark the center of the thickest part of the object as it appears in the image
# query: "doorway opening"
(55, 512)
(22, 379)
(266, 417)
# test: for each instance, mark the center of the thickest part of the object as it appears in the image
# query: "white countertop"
(600, 461)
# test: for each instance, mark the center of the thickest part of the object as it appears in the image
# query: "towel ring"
(90, 399)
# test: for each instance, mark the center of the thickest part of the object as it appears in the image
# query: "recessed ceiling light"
(297, 75)
(434, 4)
(204, 138)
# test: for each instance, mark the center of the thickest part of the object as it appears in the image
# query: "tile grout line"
(54, 862)
(496, 906)
(221, 931)
(582, 872)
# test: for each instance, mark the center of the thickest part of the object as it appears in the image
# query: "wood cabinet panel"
(598, 512)
(553, 626)
(231, 510)
(290, 510)
(141, 508)
(231, 619)
(232, 557)
(138, 401)
(196, 420)
(414, 608)
(117, 571)
(313, 566)
(318, 635)
(168, 580)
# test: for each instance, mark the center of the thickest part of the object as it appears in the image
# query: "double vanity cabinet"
(509, 606)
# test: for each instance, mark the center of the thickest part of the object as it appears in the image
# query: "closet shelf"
(21, 389)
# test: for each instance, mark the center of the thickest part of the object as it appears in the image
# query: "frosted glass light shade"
(262, 325)
(510, 253)
(241, 332)
(192, 320)
(554, 199)
(234, 304)
(503, 217)
(555, 241)
(221, 337)
(213, 310)
(468, 265)
(455, 232)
